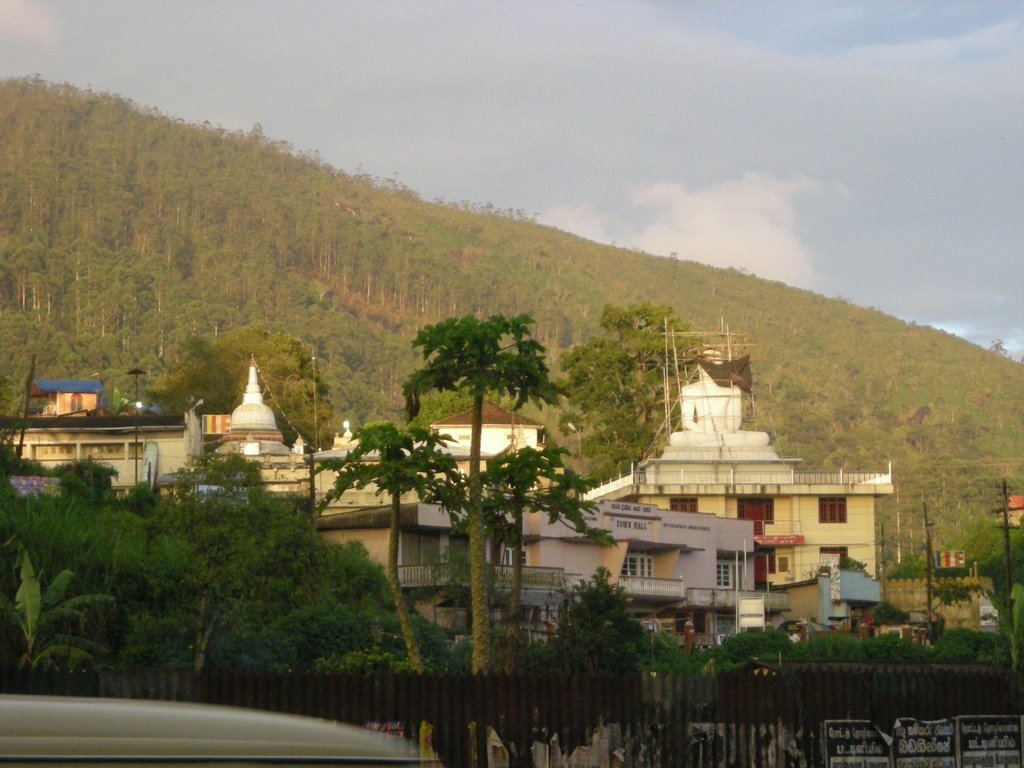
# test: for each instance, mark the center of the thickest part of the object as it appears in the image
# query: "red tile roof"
(492, 415)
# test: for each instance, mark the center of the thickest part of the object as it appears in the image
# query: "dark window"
(680, 504)
(841, 551)
(832, 510)
(420, 549)
(760, 510)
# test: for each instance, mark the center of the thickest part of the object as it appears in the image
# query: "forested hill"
(123, 232)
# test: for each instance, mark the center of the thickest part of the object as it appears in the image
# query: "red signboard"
(782, 540)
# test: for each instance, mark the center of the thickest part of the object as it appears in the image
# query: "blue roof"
(53, 386)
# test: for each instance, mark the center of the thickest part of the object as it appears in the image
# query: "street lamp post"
(579, 439)
(136, 372)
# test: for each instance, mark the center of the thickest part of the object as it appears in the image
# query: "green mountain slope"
(123, 232)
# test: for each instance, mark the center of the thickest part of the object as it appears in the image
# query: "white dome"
(253, 416)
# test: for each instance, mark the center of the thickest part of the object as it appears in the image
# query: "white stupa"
(253, 429)
(712, 415)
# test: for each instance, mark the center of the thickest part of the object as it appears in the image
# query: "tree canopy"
(397, 462)
(615, 385)
(215, 371)
(480, 357)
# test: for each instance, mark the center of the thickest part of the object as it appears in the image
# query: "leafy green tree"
(87, 480)
(533, 480)
(615, 385)
(913, 566)
(45, 619)
(887, 613)
(596, 634)
(246, 554)
(9, 461)
(215, 370)
(440, 405)
(396, 462)
(478, 358)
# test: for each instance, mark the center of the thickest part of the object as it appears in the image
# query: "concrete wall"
(912, 595)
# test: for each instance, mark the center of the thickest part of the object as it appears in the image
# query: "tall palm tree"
(396, 462)
(480, 357)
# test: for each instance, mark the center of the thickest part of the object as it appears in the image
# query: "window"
(103, 451)
(832, 510)
(638, 564)
(769, 560)
(760, 510)
(725, 573)
(831, 557)
(782, 564)
(420, 549)
(45, 452)
(508, 556)
(680, 504)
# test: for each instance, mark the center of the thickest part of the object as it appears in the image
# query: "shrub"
(835, 646)
(969, 646)
(890, 648)
(887, 613)
(766, 646)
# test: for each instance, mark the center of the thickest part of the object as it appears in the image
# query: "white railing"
(650, 587)
(739, 477)
(610, 487)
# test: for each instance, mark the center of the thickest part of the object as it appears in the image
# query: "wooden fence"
(763, 715)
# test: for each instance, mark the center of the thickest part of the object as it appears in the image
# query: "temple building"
(805, 523)
(252, 432)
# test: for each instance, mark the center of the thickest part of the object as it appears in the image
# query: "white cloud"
(581, 220)
(24, 21)
(749, 223)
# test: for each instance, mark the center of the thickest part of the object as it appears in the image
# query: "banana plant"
(40, 614)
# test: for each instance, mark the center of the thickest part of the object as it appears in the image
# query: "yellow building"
(147, 448)
(804, 521)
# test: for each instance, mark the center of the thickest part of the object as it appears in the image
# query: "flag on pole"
(950, 559)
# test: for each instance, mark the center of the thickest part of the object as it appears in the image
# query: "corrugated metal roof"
(54, 386)
(93, 423)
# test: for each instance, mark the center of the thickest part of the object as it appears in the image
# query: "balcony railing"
(731, 476)
(443, 574)
(726, 598)
(644, 586)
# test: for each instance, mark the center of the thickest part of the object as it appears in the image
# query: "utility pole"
(135, 373)
(24, 407)
(1007, 561)
(928, 563)
(313, 447)
(881, 559)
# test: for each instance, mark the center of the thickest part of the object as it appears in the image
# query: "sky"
(869, 151)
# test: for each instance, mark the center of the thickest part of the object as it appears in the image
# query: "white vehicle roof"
(47, 730)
